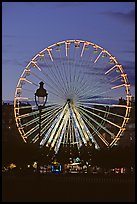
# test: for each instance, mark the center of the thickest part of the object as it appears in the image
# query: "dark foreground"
(68, 188)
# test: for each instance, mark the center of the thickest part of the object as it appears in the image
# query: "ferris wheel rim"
(84, 43)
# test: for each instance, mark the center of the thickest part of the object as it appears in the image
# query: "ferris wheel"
(89, 99)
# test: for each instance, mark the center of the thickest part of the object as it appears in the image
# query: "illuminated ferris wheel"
(89, 99)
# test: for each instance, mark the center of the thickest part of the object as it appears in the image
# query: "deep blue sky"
(29, 27)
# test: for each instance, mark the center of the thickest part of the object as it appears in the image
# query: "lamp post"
(40, 99)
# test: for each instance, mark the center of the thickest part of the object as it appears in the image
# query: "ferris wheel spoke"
(104, 92)
(48, 122)
(73, 72)
(31, 131)
(102, 118)
(21, 98)
(56, 75)
(67, 133)
(55, 94)
(77, 137)
(28, 90)
(96, 97)
(64, 138)
(100, 110)
(57, 135)
(82, 137)
(24, 107)
(103, 127)
(113, 68)
(68, 65)
(99, 104)
(90, 134)
(82, 125)
(93, 99)
(53, 88)
(49, 114)
(119, 86)
(56, 126)
(83, 91)
(98, 57)
(62, 79)
(69, 130)
(27, 115)
(58, 143)
(23, 80)
(35, 138)
(76, 131)
(68, 137)
(64, 73)
(96, 132)
(30, 122)
(46, 127)
(53, 127)
(74, 67)
(85, 129)
(90, 64)
(83, 88)
(36, 112)
(77, 79)
(53, 76)
(55, 138)
(105, 104)
(50, 106)
(67, 76)
(93, 128)
(90, 90)
(114, 79)
(72, 134)
(59, 74)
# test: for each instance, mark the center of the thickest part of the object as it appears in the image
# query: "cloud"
(11, 62)
(129, 51)
(127, 18)
(131, 41)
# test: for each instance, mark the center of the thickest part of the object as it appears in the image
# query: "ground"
(69, 187)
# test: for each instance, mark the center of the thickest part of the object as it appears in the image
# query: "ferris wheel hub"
(69, 100)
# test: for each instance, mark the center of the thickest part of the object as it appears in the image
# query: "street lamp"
(40, 99)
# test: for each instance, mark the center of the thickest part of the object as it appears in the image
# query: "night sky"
(29, 27)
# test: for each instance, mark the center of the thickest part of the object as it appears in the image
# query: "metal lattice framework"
(84, 83)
